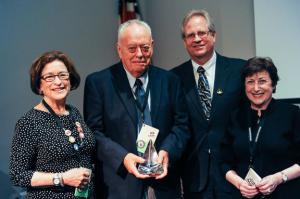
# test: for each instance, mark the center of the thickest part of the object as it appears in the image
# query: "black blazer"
(278, 146)
(207, 134)
(110, 112)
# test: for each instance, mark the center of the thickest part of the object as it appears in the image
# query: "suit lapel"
(121, 84)
(190, 87)
(155, 92)
(221, 74)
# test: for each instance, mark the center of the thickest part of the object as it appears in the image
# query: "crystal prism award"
(150, 166)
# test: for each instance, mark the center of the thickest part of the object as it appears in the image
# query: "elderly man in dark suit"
(212, 88)
(112, 113)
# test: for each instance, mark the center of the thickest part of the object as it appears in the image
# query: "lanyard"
(253, 143)
(76, 145)
(56, 118)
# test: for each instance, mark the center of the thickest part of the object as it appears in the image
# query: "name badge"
(146, 133)
(252, 177)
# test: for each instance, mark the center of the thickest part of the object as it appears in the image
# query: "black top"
(40, 145)
(277, 148)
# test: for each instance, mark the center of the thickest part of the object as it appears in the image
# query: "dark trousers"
(213, 188)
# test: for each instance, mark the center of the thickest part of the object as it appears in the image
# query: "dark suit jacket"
(278, 146)
(110, 111)
(207, 134)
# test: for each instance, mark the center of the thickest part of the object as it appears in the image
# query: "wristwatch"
(284, 177)
(57, 179)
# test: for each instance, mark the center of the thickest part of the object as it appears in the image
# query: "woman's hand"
(248, 191)
(269, 183)
(77, 177)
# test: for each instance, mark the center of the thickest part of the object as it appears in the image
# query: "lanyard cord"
(253, 144)
(79, 143)
(58, 122)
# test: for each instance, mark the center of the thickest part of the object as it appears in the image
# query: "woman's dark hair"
(48, 57)
(260, 64)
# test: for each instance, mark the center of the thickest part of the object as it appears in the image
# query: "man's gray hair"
(193, 13)
(128, 23)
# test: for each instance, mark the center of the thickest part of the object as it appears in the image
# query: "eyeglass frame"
(260, 82)
(145, 48)
(59, 75)
(200, 34)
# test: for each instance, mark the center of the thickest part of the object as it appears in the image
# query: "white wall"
(233, 20)
(277, 30)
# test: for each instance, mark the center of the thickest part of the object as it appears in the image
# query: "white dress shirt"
(144, 78)
(210, 70)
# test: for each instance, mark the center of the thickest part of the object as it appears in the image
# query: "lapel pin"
(219, 91)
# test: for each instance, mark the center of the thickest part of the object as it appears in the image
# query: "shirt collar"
(131, 79)
(208, 65)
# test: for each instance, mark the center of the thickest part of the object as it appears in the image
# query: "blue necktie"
(143, 117)
(204, 92)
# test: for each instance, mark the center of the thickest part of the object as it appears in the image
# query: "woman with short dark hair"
(51, 153)
(263, 137)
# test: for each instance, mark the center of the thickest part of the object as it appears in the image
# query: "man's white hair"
(128, 23)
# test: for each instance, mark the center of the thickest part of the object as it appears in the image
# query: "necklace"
(71, 139)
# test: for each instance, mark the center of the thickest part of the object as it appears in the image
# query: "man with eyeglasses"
(212, 88)
(113, 111)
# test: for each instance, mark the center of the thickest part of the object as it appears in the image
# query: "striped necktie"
(204, 92)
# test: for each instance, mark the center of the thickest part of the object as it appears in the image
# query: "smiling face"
(200, 46)
(135, 49)
(57, 90)
(259, 89)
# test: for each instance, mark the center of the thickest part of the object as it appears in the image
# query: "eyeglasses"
(51, 77)
(145, 48)
(260, 82)
(201, 34)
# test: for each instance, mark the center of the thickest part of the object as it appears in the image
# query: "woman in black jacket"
(263, 135)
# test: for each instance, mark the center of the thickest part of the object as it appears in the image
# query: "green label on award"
(146, 133)
(84, 193)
